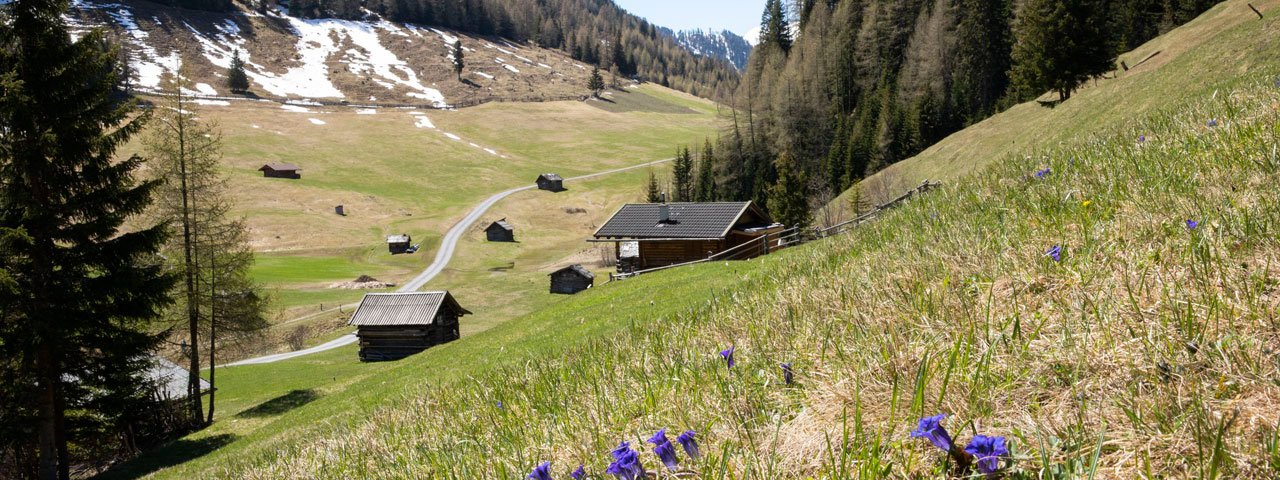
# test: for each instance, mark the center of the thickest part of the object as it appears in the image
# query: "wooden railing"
(846, 225)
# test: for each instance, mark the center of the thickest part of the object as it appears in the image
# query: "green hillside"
(1148, 348)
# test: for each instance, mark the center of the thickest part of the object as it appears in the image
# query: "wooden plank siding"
(661, 254)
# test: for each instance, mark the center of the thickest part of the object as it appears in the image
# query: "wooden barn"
(571, 279)
(500, 231)
(281, 170)
(550, 182)
(398, 244)
(392, 326)
(655, 235)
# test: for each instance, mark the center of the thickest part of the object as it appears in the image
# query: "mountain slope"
(723, 44)
(1148, 345)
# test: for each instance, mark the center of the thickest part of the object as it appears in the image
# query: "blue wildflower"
(1055, 253)
(659, 438)
(931, 428)
(988, 452)
(1192, 224)
(541, 472)
(1044, 173)
(667, 453)
(1142, 139)
(626, 464)
(1213, 122)
(690, 444)
(728, 355)
(787, 376)
(578, 474)
(622, 449)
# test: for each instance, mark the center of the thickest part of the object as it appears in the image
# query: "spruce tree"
(653, 191)
(983, 49)
(789, 196)
(682, 176)
(237, 81)
(596, 82)
(706, 185)
(774, 28)
(1061, 45)
(81, 288)
(459, 63)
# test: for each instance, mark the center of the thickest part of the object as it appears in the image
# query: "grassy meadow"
(1148, 348)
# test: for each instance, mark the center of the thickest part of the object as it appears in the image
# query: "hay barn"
(500, 231)
(281, 170)
(550, 182)
(392, 326)
(572, 279)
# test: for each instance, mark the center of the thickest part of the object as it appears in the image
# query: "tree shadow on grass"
(281, 404)
(174, 453)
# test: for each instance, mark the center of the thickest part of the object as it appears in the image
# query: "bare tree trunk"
(188, 247)
(213, 332)
(47, 437)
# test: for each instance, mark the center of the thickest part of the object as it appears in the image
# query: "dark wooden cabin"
(397, 244)
(500, 231)
(550, 182)
(655, 235)
(392, 326)
(572, 279)
(281, 170)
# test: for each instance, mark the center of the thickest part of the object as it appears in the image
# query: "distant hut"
(398, 244)
(500, 231)
(281, 170)
(572, 279)
(655, 235)
(550, 182)
(392, 326)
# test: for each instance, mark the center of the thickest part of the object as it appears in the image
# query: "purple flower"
(787, 376)
(541, 472)
(1055, 253)
(1213, 122)
(667, 453)
(987, 452)
(1142, 139)
(690, 444)
(626, 463)
(931, 428)
(622, 449)
(1044, 173)
(1192, 224)
(659, 438)
(728, 355)
(578, 474)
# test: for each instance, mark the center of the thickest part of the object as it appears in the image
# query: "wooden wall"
(661, 254)
(387, 343)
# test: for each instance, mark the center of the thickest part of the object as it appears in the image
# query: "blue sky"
(738, 16)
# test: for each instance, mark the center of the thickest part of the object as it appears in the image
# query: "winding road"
(448, 246)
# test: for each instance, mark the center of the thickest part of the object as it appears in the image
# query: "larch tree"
(78, 289)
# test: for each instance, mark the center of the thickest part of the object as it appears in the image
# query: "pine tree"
(774, 28)
(789, 196)
(983, 50)
(81, 289)
(706, 185)
(596, 82)
(653, 191)
(237, 81)
(459, 63)
(1061, 45)
(682, 176)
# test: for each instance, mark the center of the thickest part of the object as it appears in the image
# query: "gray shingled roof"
(280, 167)
(550, 176)
(402, 238)
(576, 268)
(688, 220)
(395, 309)
(502, 223)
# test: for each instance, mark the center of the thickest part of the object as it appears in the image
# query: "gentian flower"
(1044, 173)
(987, 452)
(728, 355)
(541, 472)
(578, 474)
(1192, 224)
(1213, 122)
(667, 453)
(787, 376)
(659, 438)
(1055, 253)
(1142, 139)
(690, 444)
(626, 463)
(931, 428)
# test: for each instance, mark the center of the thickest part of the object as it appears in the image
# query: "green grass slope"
(1151, 350)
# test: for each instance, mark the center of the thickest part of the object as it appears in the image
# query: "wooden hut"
(571, 279)
(392, 326)
(500, 231)
(281, 170)
(662, 234)
(550, 182)
(398, 244)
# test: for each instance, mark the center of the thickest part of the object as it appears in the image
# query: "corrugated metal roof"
(502, 224)
(395, 309)
(280, 167)
(398, 238)
(688, 220)
(555, 177)
(576, 269)
(170, 379)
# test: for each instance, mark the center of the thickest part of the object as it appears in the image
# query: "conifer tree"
(653, 191)
(81, 289)
(596, 82)
(774, 29)
(237, 81)
(789, 196)
(459, 63)
(682, 176)
(983, 50)
(1061, 44)
(706, 185)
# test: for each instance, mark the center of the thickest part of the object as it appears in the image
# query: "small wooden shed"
(500, 231)
(571, 279)
(398, 244)
(550, 182)
(281, 170)
(392, 326)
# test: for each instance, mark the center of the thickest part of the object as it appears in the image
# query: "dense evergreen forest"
(861, 84)
(596, 32)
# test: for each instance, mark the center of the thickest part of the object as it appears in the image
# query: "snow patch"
(513, 69)
(212, 103)
(500, 49)
(455, 137)
(485, 75)
(316, 121)
(295, 108)
(206, 89)
(367, 111)
(424, 122)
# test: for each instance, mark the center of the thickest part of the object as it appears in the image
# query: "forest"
(839, 89)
